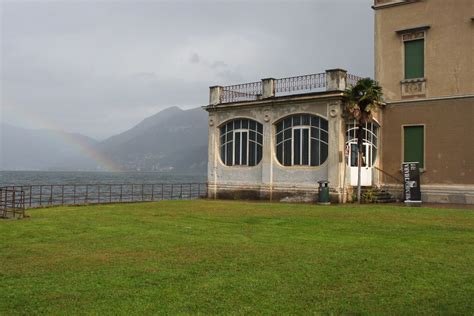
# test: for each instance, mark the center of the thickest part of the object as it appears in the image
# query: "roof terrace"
(331, 80)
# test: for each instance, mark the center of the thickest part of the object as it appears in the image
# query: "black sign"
(411, 181)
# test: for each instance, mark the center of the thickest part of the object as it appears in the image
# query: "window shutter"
(414, 144)
(414, 59)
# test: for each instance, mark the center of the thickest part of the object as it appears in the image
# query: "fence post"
(41, 195)
(121, 191)
(110, 193)
(51, 195)
(132, 192)
(152, 192)
(98, 193)
(13, 203)
(74, 195)
(87, 194)
(31, 189)
(143, 187)
(162, 192)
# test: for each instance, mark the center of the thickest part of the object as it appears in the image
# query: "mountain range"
(171, 140)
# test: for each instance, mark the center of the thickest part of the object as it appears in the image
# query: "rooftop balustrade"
(331, 80)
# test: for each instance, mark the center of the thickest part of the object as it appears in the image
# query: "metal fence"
(42, 195)
(242, 92)
(12, 203)
(298, 83)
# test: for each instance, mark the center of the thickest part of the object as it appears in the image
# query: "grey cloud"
(98, 67)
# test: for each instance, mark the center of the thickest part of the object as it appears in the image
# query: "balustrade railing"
(242, 92)
(298, 83)
(42, 195)
(352, 79)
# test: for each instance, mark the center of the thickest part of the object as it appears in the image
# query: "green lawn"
(207, 257)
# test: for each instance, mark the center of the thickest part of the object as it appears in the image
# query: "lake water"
(74, 177)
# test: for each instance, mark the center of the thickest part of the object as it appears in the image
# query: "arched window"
(241, 142)
(302, 140)
(369, 142)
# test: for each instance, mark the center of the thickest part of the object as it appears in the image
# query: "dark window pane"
(296, 120)
(324, 125)
(287, 153)
(296, 146)
(252, 125)
(279, 126)
(324, 136)
(237, 149)
(287, 122)
(306, 119)
(374, 154)
(260, 128)
(252, 153)
(314, 132)
(279, 153)
(259, 153)
(287, 134)
(253, 136)
(354, 155)
(279, 138)
(223, 154)
(244, 148)
(324, 153)
(237, 124)
(229, 154)
(230, 137)
(230, 127)
(223, 129)
(315, 121)
(259, 139)
(245, 124)
(305, 147)
(314, 152)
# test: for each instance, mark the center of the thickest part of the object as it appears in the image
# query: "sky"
(100, 67)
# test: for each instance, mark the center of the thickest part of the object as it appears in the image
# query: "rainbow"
(86, 149)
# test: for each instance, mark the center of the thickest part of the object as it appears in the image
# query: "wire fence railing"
(12, 203)
(42, 195)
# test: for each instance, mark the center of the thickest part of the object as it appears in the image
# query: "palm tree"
(361, 100)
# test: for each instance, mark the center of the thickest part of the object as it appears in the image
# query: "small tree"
(361, 99)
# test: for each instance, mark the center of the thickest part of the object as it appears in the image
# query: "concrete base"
(280, 193)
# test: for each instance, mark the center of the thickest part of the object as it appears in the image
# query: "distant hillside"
(171, 140)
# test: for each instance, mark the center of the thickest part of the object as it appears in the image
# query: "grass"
(208, 257)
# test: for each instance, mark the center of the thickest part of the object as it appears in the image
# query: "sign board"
(411, 182)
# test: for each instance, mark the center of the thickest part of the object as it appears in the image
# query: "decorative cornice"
(413, 29)
(392, 4)
(316, 96)
(431, 99)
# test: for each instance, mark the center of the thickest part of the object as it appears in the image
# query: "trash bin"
(323, 192)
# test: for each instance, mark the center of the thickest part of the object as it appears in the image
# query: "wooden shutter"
(415, 59)
(414, 144)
